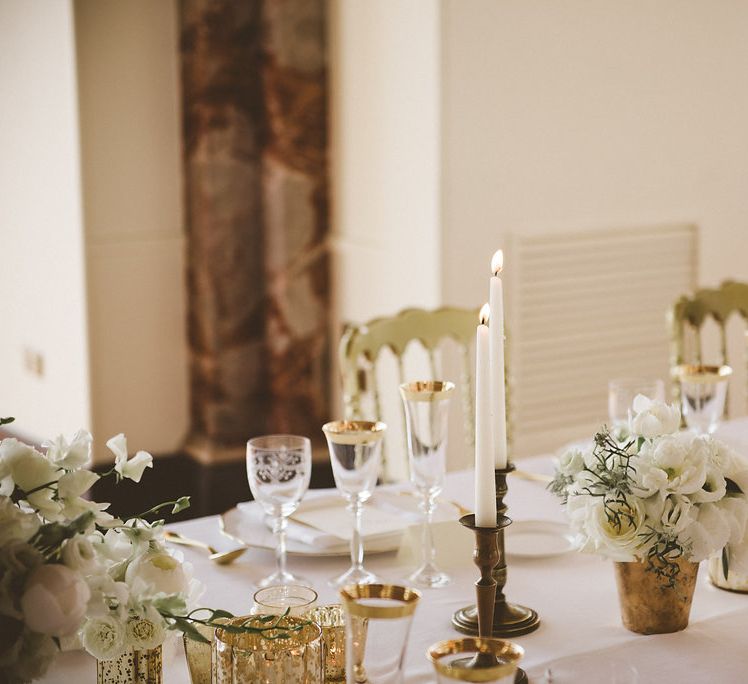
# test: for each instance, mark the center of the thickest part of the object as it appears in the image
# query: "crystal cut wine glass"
(356, 456)
(278, 470)
(426, 422)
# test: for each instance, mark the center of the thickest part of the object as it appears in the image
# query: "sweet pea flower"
(71, 456)
(653, 418)
(130, 469)
(54, 600)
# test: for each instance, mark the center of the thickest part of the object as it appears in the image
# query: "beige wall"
(42, 283)
(128, 66)
(91, 221)
(565, 115)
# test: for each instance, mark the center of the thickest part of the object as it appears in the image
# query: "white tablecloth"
(580, 638)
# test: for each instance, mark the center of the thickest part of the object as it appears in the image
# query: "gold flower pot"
(648, 604)
(132, 667)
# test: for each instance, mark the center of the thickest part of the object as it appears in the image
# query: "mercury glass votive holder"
(455, 660)
(331, 620)
(198, 654)
(132, 667)
(292, 653)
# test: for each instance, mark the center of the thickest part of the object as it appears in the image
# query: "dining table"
(580, 638)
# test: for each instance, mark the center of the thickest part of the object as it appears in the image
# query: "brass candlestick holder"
(509, 619)
(485, 556)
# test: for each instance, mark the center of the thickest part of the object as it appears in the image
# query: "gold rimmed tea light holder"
(509, 619)
(504, 657)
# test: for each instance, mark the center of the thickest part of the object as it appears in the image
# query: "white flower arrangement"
(656, 494)
(69, 569)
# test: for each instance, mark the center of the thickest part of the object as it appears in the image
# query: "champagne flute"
(426, 422)
(278, 470)
(356, 456)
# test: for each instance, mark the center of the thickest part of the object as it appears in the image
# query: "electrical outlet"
(33, 362)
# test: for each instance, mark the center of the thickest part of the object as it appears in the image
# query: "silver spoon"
(220, 557)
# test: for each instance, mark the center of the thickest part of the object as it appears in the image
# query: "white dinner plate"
(538, 539)
(251, 530)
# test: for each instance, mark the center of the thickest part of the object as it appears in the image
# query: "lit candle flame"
(485, 314)
(497, 262)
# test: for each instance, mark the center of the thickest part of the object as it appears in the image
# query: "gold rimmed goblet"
(356, 456)
(426, 421)
(454, 660)
(703, 390)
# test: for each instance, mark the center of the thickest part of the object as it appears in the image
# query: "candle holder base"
(509, 620)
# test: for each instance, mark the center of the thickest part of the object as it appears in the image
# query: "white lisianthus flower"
(653, 418)
(71, 456)
(146, 632)
(571, 462)
(735, 511)
(107, 595)
(709, 533)
(104, 637)
(132, 469)
(682, 459)
(671, 513)
(54, 600)
(78, 554)
(713, 489)
(156, 572)
(16, 524)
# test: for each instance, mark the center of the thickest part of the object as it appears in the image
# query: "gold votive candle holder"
(198, 654)
(331, 620)
(132, 667)
(290, 654)
(455, 660)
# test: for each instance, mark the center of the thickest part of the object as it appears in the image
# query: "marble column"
(255, 160)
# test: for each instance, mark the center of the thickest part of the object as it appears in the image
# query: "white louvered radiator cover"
(584, 308)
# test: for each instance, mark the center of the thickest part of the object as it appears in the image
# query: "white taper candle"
(485, 485)
(496, 358)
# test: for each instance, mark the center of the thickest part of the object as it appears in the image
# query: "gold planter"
(133, 667)
(648, 604)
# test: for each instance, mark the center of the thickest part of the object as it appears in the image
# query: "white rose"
(156, 572)
(617, 537)
(146, 632)
(17, 561)
(54, 600)
(71, 456)
(78, 554)
(16, 524)
(104, 637)
(570, 462)
(132, 469)
(653, 418)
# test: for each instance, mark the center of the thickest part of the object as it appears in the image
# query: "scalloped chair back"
(359, 352)
(687, 317)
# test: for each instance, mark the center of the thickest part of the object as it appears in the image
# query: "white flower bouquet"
(69, 570)
(657, 495)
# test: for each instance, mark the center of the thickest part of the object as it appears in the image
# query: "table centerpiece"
(657, 501)
(73, 574)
